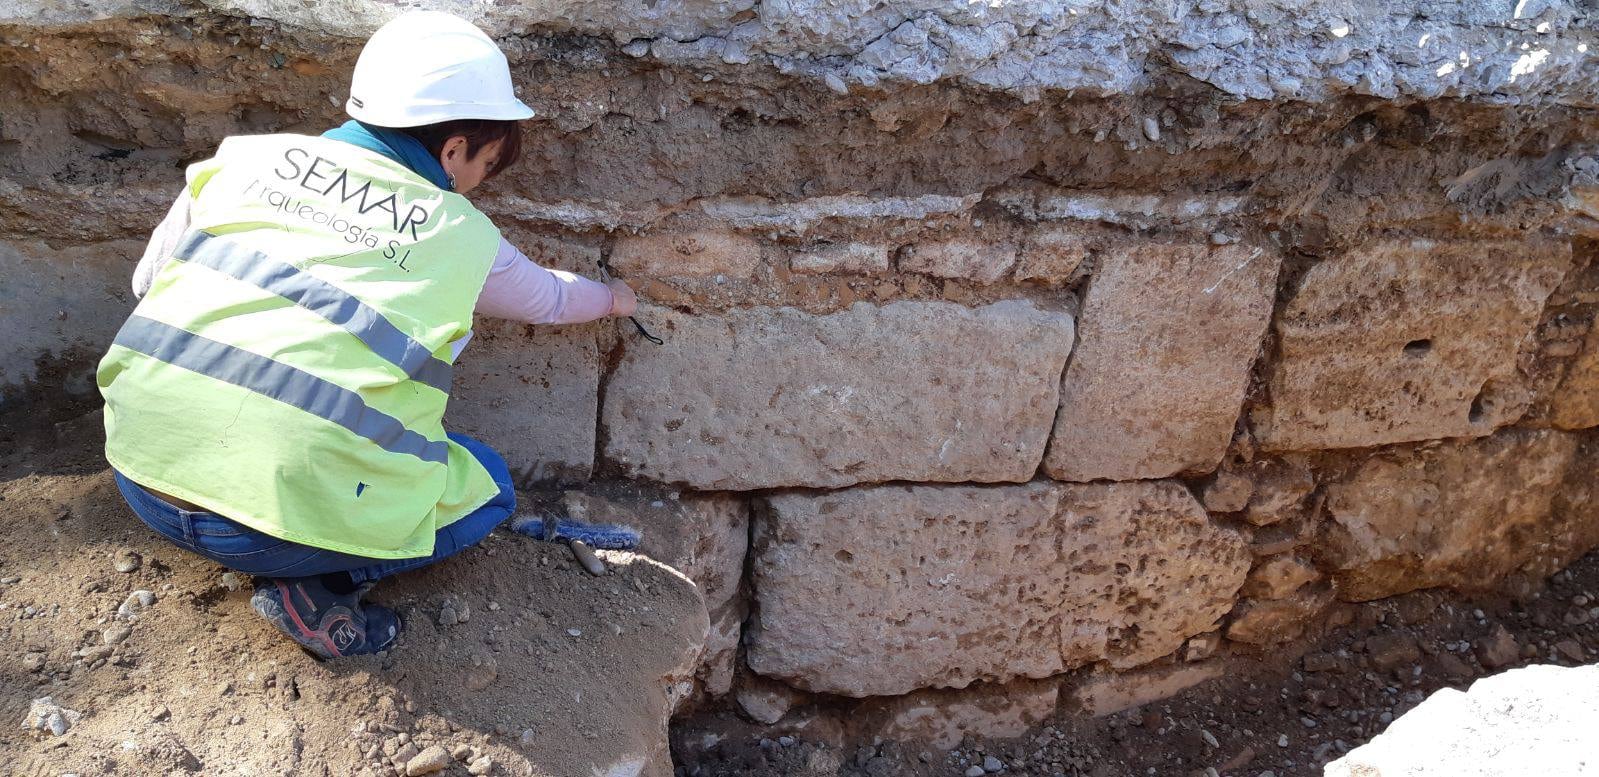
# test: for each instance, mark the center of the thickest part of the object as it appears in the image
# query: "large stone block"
(61, 303)
(531, 393)
(764, 398)
(1168, 334)
(703, 536)
(882, 590)
(1464, 514)
(1405, 340)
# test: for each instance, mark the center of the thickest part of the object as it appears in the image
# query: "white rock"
(1533, 720)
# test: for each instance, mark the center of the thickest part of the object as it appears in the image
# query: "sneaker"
(326, 624)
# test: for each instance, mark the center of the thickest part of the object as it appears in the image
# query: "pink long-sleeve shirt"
(516, 288)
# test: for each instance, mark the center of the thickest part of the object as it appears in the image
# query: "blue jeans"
(243, 549)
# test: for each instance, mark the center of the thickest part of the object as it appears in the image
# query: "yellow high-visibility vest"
(290, 365)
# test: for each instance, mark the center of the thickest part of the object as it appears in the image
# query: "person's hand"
(624, 301)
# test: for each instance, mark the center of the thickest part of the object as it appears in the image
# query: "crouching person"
(275, 402)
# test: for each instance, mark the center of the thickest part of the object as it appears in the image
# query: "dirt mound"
(545, 670)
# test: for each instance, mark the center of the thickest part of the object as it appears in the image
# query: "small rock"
(116, 633)
(975, 771)
(992, 764)
(1202, 646)
(1320, 662)
(786, 741)
(136, 603)
(526, 738)
(463, 753)
(1391, 651)
(448, 616)
(574, 632)
(10, 580)
(33, 662)
(45, 715)
(483, 672)
(1571, 649)
(127, 561)
(433, 759)
(403, 756)
(483, 765)
(1498, 649)
(232, 581)
(1210, 739)
(1228, 492)
(1152, 129)
(1282, 740)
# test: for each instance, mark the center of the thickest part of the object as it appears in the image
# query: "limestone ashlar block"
(1405, 340)
(882, 590)
(701, 254)
(767, 398)
(531, 393)
(1462, 514)
(1168, 333)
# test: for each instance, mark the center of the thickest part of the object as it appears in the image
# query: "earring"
(452, 181)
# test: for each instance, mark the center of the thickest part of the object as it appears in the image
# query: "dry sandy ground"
(552, 672)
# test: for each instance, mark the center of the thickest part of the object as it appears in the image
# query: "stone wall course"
(771, 398)
(881, 590)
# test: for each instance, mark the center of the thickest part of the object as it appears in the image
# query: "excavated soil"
(549, 671)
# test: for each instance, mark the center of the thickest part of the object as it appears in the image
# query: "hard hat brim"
(418, 116)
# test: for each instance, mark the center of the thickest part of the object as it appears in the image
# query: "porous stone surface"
(1279, 576)
(966, 258)
(1053, 254)
(1461, 514)
(863, 258)
(766, 398)
(1532, 720)
(1290, 52)
(1045, 576)
(704, 536)
(692, 254)
(531, 393)
(1272, 621)
(1576, 404)
(1167, 336)
(1408, 339)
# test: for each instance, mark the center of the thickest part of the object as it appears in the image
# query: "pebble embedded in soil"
(992, 764)
(127, 561)
(137, 602)
(975, 771)
(483, 765)
(431, 760)
(116, 633)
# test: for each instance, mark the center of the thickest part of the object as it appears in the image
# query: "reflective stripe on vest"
(278, 381)
(319, 297)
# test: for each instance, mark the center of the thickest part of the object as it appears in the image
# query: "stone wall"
(1015, 355)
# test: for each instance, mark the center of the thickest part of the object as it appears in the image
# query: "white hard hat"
(424, 67)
